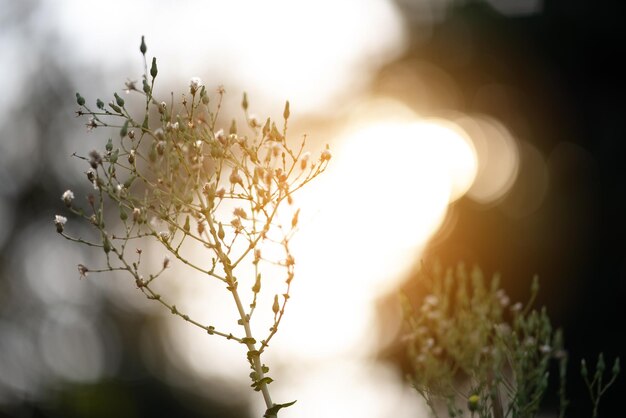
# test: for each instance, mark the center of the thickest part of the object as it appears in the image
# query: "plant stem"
(255, 359)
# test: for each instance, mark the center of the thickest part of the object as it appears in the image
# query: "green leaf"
(273, 411)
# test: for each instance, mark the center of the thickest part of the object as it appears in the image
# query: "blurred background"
(489, 132)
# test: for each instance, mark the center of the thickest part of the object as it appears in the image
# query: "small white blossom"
(158, 134)
(253, 120)
(220, 136)
(136, 214)
(91, 124)
(545, 349)
(194, 84)
(67, 197)
(59, 222)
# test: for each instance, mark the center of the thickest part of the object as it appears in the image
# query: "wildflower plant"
(474, 353)
(172, 177)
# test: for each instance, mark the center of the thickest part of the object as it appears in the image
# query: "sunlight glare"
(385, 194)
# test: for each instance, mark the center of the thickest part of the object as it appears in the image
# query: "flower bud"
(123, 214)
(257, 284)
(100, 104)
(275, 305)
(115, 107)
(235, 178)
(153, 69)
(304, 160)
(286, 112)
(472, 403)
(244, 102)
(220, 232)
(326, 154)
(80, 99)
(124, 129)
(143, 47)
(118, 100)
(106, 245)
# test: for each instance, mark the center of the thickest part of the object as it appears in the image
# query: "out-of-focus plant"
(473, 352)
(171, 176)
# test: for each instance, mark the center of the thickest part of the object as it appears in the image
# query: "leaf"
(273, 411)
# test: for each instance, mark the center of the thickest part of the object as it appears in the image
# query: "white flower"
(91, 124)
(219, 135)
(253, 120)
(59, 222)
(194, 84)
(67, 197)
(158, 134)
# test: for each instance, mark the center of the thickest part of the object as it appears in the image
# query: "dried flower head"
(59, 222)
(95, 159)
(235, 178)
(82, 270)
(67, 197)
